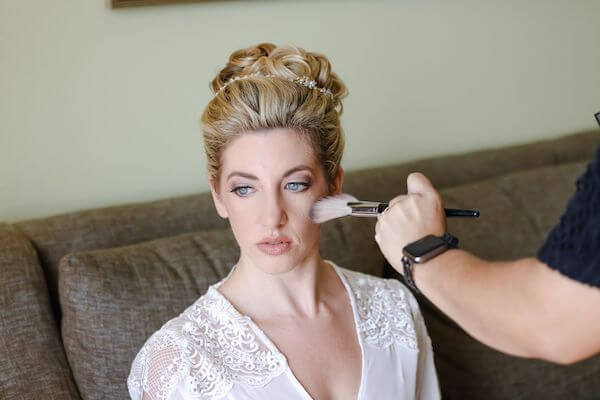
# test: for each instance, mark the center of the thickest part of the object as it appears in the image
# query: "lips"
(275, 246)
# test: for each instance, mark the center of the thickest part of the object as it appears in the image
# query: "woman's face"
(269, 181)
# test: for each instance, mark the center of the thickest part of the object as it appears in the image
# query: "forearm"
(476, 294)
(517, 307)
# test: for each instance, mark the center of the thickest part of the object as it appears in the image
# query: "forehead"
(270, 151)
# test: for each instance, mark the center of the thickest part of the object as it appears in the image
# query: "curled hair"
(256, 91)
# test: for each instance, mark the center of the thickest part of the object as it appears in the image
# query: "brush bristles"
(331, 207)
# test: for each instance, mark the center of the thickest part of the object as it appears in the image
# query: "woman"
(284, 324)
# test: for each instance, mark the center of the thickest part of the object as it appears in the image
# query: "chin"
(277, 264)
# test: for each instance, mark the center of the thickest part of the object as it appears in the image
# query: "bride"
(285, 324)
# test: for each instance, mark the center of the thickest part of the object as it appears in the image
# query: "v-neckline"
(273, 348)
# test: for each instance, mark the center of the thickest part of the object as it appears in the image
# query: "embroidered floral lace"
(211, 346)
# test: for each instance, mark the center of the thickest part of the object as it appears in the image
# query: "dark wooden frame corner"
(134, 3)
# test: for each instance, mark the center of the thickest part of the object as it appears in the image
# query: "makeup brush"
(344, 204)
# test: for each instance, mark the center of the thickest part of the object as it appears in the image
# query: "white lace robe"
(211, 351)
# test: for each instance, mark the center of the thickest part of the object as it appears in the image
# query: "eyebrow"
(253, 177)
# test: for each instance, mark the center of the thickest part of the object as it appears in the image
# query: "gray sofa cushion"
(32, 360)
(53, 237)
(517, 211)
(112, 300)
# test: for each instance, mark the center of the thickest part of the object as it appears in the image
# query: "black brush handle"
(457, 212)
(450, 212)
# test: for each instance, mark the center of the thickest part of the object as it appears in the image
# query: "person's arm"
(521, 307)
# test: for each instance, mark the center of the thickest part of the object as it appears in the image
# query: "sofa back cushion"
(112, 300)
(121, 225)
(518, 210)
(32, 360)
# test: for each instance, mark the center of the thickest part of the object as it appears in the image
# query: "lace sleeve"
(158, 369)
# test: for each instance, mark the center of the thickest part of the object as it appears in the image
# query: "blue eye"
(243, 191)
(297, 186)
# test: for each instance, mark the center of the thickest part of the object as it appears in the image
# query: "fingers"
(421, 195)
(409, 217)
(397, 199)
(418, 183)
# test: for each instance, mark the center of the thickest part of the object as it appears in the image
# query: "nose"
(273, 213)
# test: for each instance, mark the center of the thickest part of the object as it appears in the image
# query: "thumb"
(418, 183)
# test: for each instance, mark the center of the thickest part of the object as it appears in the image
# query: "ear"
(214, 190)
(338, 182)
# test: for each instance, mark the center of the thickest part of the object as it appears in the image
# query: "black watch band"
(407, 267)
(450, 239)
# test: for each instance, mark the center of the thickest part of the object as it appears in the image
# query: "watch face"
(425, 248)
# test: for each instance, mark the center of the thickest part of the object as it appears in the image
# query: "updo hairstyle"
(256, 91)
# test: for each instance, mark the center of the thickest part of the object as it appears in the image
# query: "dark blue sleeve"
(573, 246)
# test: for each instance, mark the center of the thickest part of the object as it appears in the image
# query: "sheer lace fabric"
(211, 351)
(208, 348)
(384, 312)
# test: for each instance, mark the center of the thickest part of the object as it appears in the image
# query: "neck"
(304, 291)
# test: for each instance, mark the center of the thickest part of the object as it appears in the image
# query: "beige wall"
(101, 106)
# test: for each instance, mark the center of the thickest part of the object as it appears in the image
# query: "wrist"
(427, 274)
(418, 254)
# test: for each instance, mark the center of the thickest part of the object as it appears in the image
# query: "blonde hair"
(256, 91)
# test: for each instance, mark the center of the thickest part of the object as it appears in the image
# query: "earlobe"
(220, 207)
(338, 182)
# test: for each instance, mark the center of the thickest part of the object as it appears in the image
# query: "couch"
(81, 292)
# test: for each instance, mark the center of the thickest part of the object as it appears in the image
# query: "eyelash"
(302, 187)
(237, 189)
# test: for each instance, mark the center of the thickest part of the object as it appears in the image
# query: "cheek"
(299, 206)
(242, 217)
(298, 211)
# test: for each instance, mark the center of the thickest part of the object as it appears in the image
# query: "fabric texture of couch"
(81, 292)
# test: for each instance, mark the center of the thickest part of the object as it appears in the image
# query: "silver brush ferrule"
(366, 208)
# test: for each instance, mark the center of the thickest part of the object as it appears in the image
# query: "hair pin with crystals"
(302, 80)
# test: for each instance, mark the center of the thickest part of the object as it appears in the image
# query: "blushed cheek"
(243, 221)
(299, 211)
(301, 219)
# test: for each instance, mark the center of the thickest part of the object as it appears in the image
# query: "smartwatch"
(422, 250)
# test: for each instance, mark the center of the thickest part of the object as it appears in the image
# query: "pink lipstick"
(275, 246)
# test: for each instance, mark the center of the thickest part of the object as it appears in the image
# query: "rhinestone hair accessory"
(301, 80)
